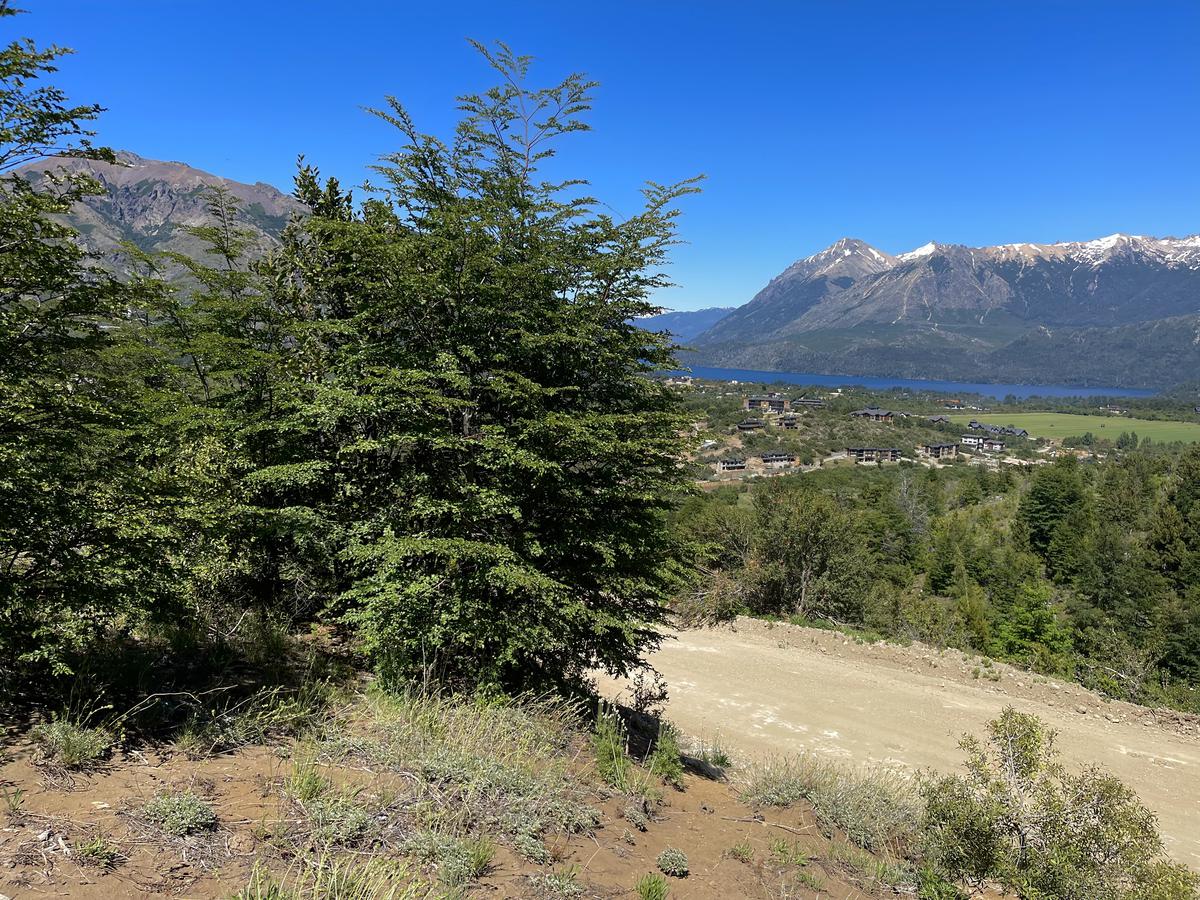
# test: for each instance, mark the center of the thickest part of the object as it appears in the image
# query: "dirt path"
(767, 689)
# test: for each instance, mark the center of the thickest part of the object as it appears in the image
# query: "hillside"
(1121, 311)
(686, 324)
(150, 203)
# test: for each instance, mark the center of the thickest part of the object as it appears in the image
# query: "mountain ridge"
(962, 308)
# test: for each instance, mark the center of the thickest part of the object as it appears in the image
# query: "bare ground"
(766, 688)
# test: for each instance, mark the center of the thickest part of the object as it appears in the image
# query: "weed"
(665, 760)
(264, 715)
(457, 861)
(612, 759)
(876, 807)
(742, 852)
(337, 820)
(558, 885)
(811, 880)
(71, 745)
(333, 878)
(651, 886)
(636, 816)
(13, 801)
(180, 814)
(875, 871)
(788, 854)
(306, 783)
(673, 862)
(98, 852)
(713, 753)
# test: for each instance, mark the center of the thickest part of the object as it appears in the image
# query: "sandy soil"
(765, 689)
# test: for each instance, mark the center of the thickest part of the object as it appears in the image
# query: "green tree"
(809, 557)
(83, 536)
(471, 402)
(1057, 491)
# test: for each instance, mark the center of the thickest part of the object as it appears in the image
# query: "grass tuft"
(337, 878)
(651, 886)
(70, 745)
(879, 809)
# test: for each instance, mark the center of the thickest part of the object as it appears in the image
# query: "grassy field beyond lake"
(1061, 425)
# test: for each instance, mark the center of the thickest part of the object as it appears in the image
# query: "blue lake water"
(998, 391)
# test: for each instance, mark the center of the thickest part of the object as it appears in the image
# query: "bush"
(1017, 817)
(180, 814)
(673, 862)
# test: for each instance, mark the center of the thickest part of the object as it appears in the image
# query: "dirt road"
(767, 689)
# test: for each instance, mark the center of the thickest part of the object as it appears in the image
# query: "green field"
(1061, 425)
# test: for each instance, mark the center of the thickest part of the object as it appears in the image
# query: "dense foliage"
(1019, 818)
(423, 418)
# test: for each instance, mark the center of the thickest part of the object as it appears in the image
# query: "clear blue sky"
(966, 121)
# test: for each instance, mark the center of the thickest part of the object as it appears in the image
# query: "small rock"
(1082, 710)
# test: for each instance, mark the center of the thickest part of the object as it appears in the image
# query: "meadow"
(1060, 425)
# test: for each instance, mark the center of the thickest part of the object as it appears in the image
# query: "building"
(751, 424)
(810, 402)
(778, 459)
(772, 402)
(938, 420)
(972, 440)
(791, 421)
(997, 429)
(939, 451)
(733, 464)
(874, 413)
(991, 445)
(873, 454)
(708, 445)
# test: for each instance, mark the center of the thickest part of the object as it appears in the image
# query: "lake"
(998, 391)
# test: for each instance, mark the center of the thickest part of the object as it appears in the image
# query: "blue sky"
(970, 121)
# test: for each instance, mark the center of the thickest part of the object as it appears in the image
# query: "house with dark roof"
(732, 464)
(790, 421)
(751, 424)
(874, 413)
(778, 459)
(939, 451)
(991, 445)
(772, 402)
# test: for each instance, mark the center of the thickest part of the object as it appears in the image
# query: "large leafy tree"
(78, 520)
(466, 398)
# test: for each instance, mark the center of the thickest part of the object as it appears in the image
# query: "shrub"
(608, 742)
(673, 862)
(337, 820)
(70, 745)
(180, 814)
(1019, 818)
(558, 885)
(877, 808)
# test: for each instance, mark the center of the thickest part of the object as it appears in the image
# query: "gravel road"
(767, 689)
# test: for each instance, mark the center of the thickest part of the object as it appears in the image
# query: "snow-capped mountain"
(947, 310)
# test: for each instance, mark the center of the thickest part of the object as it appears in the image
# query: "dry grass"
(878, 809)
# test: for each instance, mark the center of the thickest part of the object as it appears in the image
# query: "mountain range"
(151, 203)
(1123, 310)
